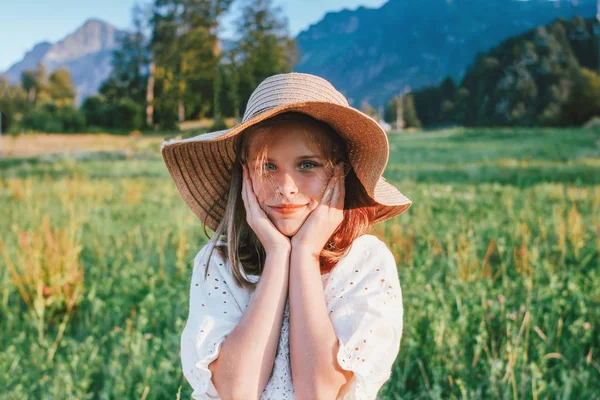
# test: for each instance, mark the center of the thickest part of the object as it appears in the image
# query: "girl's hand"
(325, 218)
(270, 237)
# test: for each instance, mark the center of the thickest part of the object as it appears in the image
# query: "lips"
(287, 209)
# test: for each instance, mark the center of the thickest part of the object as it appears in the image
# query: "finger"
(251, 196)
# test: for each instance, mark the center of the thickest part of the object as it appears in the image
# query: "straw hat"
(201, 166)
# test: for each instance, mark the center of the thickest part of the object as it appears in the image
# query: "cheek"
(315, 189)
(262, 190)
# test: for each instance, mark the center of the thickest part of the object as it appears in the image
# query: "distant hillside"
(373, 53)
(369, 54)
(86, 53)
(533, 79)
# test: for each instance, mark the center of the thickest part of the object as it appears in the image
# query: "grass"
(498, 261)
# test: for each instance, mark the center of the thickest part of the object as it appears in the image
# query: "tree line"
(172, 67)
(545, 77)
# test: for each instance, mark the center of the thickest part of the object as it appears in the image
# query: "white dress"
(364, 301)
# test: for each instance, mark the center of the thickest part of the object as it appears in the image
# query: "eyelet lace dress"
(364, 301)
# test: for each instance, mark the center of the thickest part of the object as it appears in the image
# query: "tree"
(368, 109)
(232, 78)
(411, 118)
(130, 61)
(409, 112)
(34, 82)
(584, 99)
(432, 103)
(185, 50)
(49, 117)
(264, 47)
(13, 104)
(95, 110)
(61, 88)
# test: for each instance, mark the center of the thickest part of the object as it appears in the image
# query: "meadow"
(498, 260)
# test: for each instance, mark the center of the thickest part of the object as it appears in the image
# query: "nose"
(286, 185)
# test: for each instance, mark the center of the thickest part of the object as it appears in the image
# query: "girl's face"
(289, 172)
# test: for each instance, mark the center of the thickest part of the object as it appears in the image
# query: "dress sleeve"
(213, 314)
(367, 317)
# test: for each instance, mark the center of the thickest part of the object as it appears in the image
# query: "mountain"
(86, 53)
(369, 54)
(372, 54)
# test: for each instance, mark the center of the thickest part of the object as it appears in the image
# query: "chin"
(289, 226)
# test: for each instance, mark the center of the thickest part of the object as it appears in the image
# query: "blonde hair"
(236, 241)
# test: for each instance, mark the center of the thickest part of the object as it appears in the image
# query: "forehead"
(290, 137)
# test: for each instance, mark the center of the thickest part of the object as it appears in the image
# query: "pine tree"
(265, 47)
(130, 62)
(186, 52)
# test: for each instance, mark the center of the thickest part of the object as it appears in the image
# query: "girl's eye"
(269, 166)
(310, 164)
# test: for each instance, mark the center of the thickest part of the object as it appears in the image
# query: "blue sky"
(24, 23)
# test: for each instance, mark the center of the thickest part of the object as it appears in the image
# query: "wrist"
(305, 250)
(279, 250)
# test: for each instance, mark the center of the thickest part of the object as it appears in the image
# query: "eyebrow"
(309, 156)
(300, 157)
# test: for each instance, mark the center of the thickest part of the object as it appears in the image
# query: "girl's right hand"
(268, 234)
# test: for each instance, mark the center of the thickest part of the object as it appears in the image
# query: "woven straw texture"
(201, 166)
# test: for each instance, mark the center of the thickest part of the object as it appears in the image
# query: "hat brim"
(201, 166)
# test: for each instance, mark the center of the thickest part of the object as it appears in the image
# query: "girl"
(291, 298)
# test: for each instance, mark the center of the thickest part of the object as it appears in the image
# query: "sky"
(24, 23)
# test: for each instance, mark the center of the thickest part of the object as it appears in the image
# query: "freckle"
(352, 283)
(363, 360)
(208, 274)
(355, 270)
(390, 287)
(366, 288)
(364, 341)
(216, 280)
(356, 348)
(224, 312)
(201, 330)
(224, 292)
(383, 280)
(196, 284)
(377, 269)
(358, 358)
(224, 301)
(202, 305)
(220, 263)
(216, 287)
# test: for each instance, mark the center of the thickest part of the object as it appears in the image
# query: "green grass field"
(498, 261)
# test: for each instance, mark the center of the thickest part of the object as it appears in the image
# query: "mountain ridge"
(86, 53)
(367, 53)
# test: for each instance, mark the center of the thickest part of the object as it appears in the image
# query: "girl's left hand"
(325, 218)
